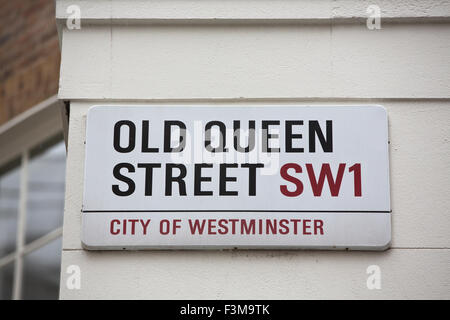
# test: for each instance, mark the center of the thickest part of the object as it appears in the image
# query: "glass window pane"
(6, 281)
(46, 176)
(9, 204)
(41, 272)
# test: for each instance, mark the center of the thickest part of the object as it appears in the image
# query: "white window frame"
(17, 137)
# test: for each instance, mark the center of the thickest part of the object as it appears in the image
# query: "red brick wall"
(29, 55)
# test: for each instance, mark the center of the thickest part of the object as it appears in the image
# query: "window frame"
(18, 137)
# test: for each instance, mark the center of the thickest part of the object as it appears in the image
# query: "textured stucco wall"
(404, 66)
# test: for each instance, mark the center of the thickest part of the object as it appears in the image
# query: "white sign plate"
(207, 177)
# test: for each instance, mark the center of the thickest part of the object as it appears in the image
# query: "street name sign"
(236, 176)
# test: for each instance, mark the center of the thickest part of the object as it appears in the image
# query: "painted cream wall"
(288, 52)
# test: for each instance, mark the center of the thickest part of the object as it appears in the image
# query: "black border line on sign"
(293, 211)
